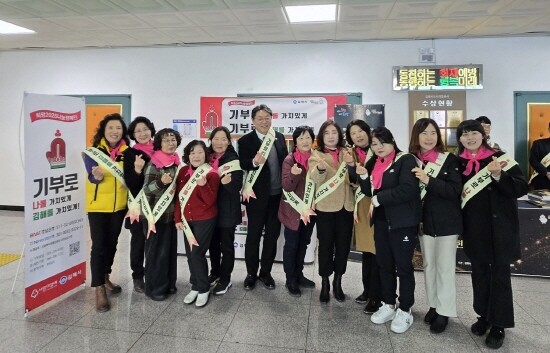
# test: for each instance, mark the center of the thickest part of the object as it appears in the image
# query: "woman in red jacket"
(195, 215)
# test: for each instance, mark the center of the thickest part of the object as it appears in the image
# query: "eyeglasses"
(170, 141)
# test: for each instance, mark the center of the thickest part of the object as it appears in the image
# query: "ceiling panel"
(213, 18)
(229, 33)
(166, 20)
(259, 17)
(198, 5)
(314, 31)
(91, 7)
(370, 12)
(501, 24)
(473, 8)
(144, 6)
(188, 35)
(271, 33)
(121, 21)
(421, 9)
(42, 8)
(358, 30)
(150, 36)
(78, 23)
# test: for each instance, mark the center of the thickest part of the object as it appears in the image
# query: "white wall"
(166, 83)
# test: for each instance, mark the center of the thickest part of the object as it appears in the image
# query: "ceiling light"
(10, 28)
(311, 13)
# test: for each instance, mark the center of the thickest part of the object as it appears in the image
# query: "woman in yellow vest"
(106, 198)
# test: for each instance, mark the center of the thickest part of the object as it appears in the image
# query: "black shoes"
(139, 285)
(267, 280)
(362, 299)
(305, 282)
(324, 297)
(293, 290)
(495, 338)
(337, 288)
(431, 315)
(158, 298)
(113, 288)
(250, 282)
(439, 324)
(372, 306)
(172, 290)
(221, 287)
(212, 279)
(480, 327)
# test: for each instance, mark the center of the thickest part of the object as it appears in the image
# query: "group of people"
(355, 186)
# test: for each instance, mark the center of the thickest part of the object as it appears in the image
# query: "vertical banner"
(55, 230)
(288, 112)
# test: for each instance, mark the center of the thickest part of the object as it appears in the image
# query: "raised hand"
(296, 170)
(494, 168)
(139, 163)
(166, 178)
(259, 159)
(226, 179)
(421, 175)
(97, 172)
(348, 157)
(322, 165)
(360, 170)
(201, 181)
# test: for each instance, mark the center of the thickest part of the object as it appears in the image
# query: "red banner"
(53, 115)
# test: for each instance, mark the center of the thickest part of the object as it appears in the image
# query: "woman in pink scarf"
(491, 230)
(441, 219)
(141, 130)
(396, 214)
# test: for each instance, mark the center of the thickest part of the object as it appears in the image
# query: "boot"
(112, 287)
(324, 297)
(337, 288)
(101, 301)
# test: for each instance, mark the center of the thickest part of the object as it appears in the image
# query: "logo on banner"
(53, 115)
(245, 103)
(210, 120)
(56, 156)
(63, 280)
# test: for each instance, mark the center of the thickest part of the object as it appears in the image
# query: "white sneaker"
(402, 321)
(202, 299)
(383, 315)
(190, 298)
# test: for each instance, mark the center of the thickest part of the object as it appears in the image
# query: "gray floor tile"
(265, 330)
(522, 338)
(230, 347)
(64, 312)
(25, 336)
(274, 308)
(156, 343)
(84, 339)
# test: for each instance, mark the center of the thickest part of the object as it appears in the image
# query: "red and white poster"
(55, 224)
(288, 112)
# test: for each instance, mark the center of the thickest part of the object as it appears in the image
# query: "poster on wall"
(288, 112)
(447, 108)
(187, 128)
(55, 232)
(372, 114)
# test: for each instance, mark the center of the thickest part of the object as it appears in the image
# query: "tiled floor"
(259, 321)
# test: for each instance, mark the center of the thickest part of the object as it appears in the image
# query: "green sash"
(332, 184)
(432, 169)
(302, 206)
(153, 215)
(252, 175)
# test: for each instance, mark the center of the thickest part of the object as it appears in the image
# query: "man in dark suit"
(262, 210)
(539, 150)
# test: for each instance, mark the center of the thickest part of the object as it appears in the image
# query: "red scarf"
(473, 161)
(428, 156)
(215, 160)
(162, 160)
(301, 158)
(147, 148)
(361, 154)
(334, 153)
(380, 167)
(114, 152)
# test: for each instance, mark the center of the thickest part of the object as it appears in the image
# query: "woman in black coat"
(141, 130)
(491, 228)
(222, 251)
(396, 214)
(441, 185)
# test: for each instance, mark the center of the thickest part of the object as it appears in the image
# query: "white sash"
(358, 193)
(432, 170)
(483, 178)
(303, 207)
(545, 162)
(229, 167)
(185, 194)
(252, 175)
(153, 215)
(332, 184)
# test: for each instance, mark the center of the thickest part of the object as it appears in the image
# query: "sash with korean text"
(153, 215)
(359, 195)
(302, 206)
(483, 178)
(332, 184)
(432, 170)
(229, 167)
(252, 175)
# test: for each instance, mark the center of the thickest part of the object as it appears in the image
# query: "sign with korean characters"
(55, 232)
(288, 112)
(428, 78)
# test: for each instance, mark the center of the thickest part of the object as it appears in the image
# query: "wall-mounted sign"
(427, 78)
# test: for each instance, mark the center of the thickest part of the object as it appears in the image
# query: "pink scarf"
(334, 153)
(473, 161)
(428, 156)
(301, 158)
(379, 168)
(114, 152)
(162, 160)
(147, 148)
(361, 154)
(215, 160)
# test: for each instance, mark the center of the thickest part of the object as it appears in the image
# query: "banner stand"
(18, 267)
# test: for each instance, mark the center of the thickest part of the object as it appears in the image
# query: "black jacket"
(441, 212)
(399, 193)
(539, 150)
(229, 197)
(133, 180)
(491, 225)
(249, 145)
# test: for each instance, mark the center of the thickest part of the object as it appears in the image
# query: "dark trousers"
(371, 277)
(493, 298)
(294, 250)
(334, 231)
(262, 212)
(394, 254)
(196, 258)
(137, 249)
(222, 253)
(161, 252)
(104, 230)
